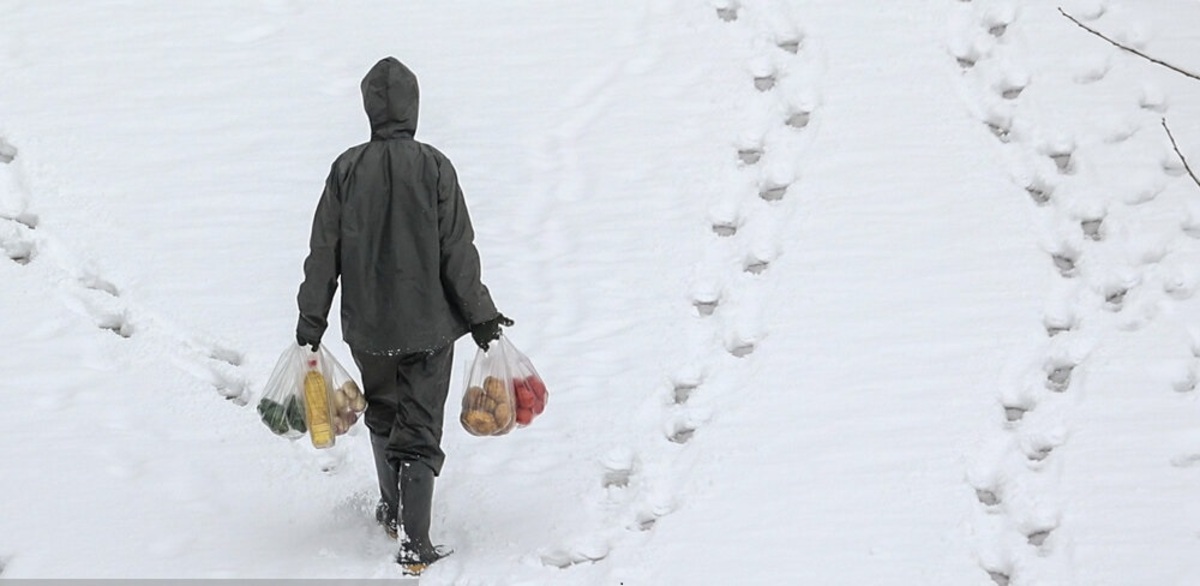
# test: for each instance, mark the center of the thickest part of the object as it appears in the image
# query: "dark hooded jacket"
(393, 225)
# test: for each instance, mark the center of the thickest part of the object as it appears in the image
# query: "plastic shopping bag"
(503, 391)
(310, 393)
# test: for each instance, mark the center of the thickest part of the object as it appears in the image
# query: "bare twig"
(1129, 49)
(1175, 146)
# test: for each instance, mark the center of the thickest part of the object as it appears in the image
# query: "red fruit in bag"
(538, 387)
(526, 399)
(524, 416)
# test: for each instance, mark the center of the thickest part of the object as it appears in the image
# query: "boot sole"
(415, 569)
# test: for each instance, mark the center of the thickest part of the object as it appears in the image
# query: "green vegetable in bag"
(295, 414)
(283, 418)
(274, 416)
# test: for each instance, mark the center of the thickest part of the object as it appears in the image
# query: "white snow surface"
(825, 292)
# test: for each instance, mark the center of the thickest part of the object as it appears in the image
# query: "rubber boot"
(416, 509)
(389, 487)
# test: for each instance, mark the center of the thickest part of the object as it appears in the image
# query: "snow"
(824, 292)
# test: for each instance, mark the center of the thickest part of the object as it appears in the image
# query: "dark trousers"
(406, 403)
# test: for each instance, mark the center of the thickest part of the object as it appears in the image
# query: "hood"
(391, 99)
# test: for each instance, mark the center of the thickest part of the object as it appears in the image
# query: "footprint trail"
(1098, 201)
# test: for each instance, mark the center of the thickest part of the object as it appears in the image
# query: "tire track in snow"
(87, 292)
(1114, 274)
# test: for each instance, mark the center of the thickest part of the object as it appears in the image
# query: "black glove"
(303, 341)
(489, 330)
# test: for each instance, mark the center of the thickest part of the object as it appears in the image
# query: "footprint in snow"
(726, 10)
(706, 306)
(799, 119)
(725, 218)
(773, 189)
(706, 297)
(27, 219)
(94, 282)
(588, 553)
(754, 265)
(682, 392)
(1181, 375)
(682, 432)
(1153, 99)
(1173, 166)
(8, 152)
(1039, 453)
(764, 83)
(1058, 376)
(113, 321)
(18, 247)
(1040, 191)
(1063, 157)
(646, 518)
(1087, 9)
(1060, 322)
(1037, 448)
(741, 349)
(1000, 577)
(968, 53)
(226, 355)
(1011, 84)
(230, 386)
(997, 20)
(619, 466)
(1114, 298)
(1187, 382)
(1038, 538)
(217, 352)
(1092, 67)
(987, 498)
(1000, 125)
(791, 45)
(1010, 91)
(1066, 262)
(750, 155)
(1092, 228)
(1181, 283)
(1186, 461)
(726, 227)
(1015, 413)
(1191, 225)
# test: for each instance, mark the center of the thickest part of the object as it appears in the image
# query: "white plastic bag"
(503, 391)
(310, 393)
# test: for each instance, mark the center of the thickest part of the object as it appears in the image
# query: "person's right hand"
(303, 341)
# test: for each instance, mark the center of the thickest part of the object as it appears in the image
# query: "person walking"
(392, 226)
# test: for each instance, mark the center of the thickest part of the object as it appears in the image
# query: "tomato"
(525, 397)
(539, 387)
(524, 416)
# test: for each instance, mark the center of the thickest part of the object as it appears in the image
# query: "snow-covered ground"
(825, 292)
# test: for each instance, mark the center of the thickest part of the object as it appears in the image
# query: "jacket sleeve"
(323, 265)
(461, 273)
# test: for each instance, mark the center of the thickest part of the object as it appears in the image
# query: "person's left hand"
(484, 333)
